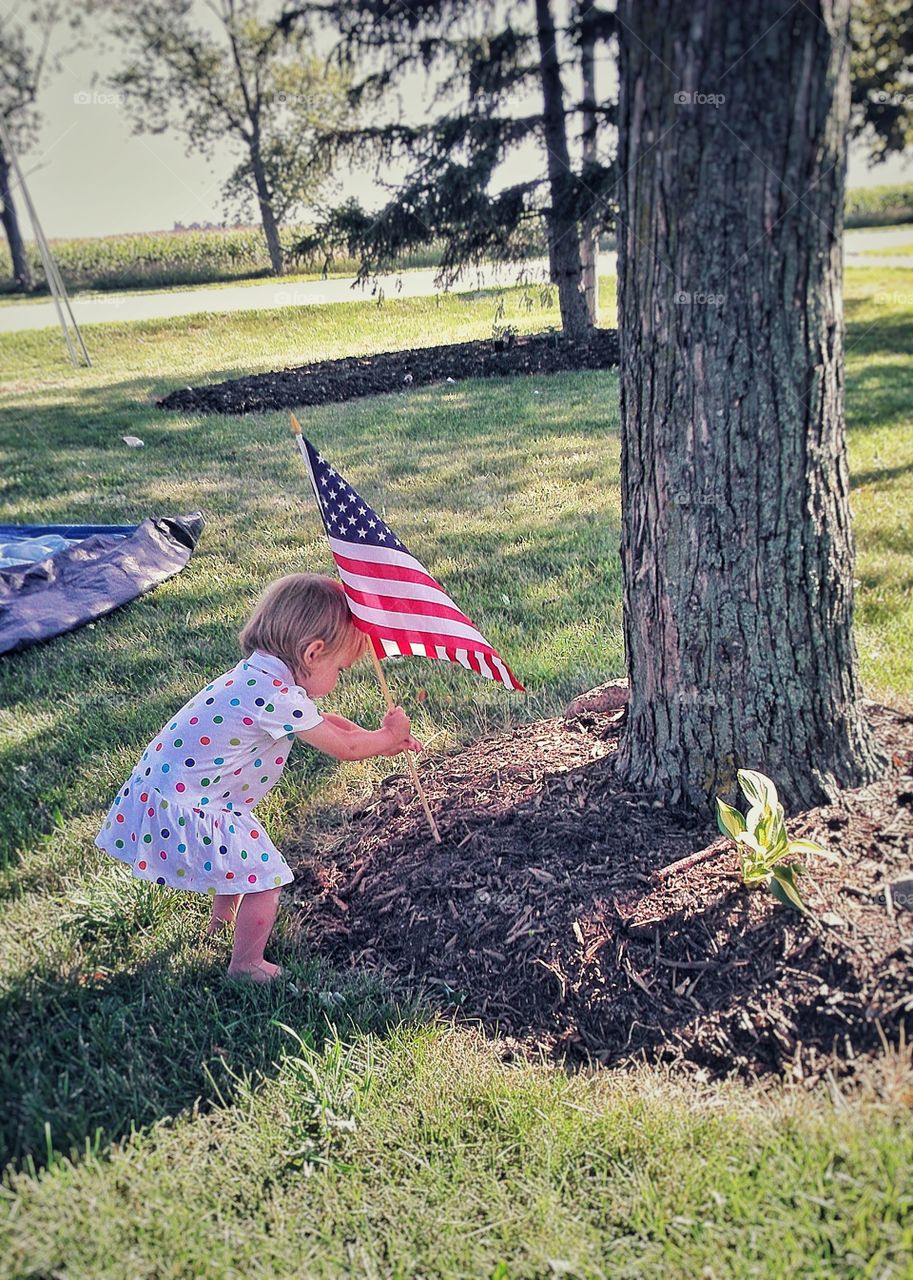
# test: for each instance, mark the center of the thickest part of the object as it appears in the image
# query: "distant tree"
(503, 75)
(882, 75)
(25, 62)
(237, 78)
(737, 549)
(487, 60)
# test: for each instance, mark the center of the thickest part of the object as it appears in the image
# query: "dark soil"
(541, 917)
(330, 381)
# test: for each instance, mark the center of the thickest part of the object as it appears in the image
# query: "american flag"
(391, 595)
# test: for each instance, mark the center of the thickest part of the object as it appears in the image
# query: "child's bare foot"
(263, 971)
(217, 926)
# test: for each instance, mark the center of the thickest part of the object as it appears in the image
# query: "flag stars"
(351, 524)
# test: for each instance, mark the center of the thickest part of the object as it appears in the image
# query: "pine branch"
(471, 224)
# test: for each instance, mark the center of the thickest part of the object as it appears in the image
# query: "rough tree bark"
(22, 275)
(736, 543)
(267, 217)
(250, 92)
(589, 239)
(563, 232)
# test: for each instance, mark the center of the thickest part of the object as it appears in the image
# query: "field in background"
(160, 259)
(900, 250)
(879, 206)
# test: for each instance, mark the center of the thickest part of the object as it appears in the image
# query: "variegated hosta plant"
(768, 855)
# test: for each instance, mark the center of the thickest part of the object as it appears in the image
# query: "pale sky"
(90, 175)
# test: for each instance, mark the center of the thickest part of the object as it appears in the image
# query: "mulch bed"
(331, 381)
(541, 918)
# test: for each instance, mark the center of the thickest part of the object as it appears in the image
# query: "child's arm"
(340, 738)
(339, 721)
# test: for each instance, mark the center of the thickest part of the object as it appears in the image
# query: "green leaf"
(746, 841)
(753, 869)
(764, 828)
(777, 842)
(809, 846)
(753, 818)
(729, 820)
(758, 788)
(784, 888)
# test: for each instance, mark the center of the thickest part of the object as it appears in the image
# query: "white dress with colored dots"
(184, 818)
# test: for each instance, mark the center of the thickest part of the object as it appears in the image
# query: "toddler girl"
(185, 817)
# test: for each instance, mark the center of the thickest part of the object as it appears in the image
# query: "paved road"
(274, 293)
(103, 308)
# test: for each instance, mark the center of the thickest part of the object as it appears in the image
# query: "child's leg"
(224, 911)
(253, 926)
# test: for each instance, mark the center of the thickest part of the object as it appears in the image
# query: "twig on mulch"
(547, 914)
(685, 864)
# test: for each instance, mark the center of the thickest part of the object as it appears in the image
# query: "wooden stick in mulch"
(302, 445)
(409, 761)
(692, 860)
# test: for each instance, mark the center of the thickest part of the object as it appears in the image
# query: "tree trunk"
(22, 275)
(589, 239)
(264, 200)
(563, 232)
(737, 553)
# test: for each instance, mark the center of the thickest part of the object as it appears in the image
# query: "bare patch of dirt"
(332, 381)
(541, 915)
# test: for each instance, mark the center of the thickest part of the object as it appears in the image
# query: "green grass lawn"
(850, 232)
(159, 259)
(898, 250)
(343, 271)
(88, 295)
(879, 407)
(163, 1124)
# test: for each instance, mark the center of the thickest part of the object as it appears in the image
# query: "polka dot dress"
(184, 818)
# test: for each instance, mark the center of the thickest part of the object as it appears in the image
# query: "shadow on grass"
(95, 697)
(880, 475)
(115, 695)
(69, 461)
(878, 315)
(88, 1057)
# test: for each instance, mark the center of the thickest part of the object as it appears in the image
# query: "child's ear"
(311, 652)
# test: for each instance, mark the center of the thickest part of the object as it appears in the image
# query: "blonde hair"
(296, 610)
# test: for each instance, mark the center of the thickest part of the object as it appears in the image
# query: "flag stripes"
(391, 595)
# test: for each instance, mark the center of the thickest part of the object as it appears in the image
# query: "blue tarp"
(73, 531)
(96, 569)
(27, 543)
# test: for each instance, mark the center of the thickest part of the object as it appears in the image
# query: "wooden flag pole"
(409, 761)
(296, 430)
